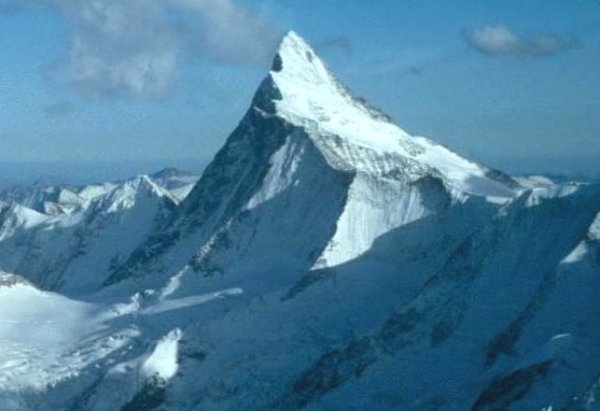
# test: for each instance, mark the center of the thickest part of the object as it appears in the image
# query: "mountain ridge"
(277, 110)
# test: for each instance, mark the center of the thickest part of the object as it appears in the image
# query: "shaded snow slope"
(75, 252)
(509, 322)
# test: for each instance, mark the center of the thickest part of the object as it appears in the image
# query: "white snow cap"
(312, 98)
(297, 62)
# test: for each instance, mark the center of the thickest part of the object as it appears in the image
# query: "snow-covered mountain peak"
(310, 96)
(127, 194)
(144, 183)
(355, 136)
(296, 61)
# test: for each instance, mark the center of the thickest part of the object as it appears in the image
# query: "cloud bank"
(499, 40)
(134, 48)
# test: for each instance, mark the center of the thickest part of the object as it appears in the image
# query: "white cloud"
(229, 32)
(135, 47)
(120, 47)
(499, 40)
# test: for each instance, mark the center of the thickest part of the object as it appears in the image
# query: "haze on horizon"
(513, 84)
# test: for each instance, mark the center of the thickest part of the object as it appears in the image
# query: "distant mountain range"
(324, 260)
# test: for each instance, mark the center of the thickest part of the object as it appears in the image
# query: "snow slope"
(36, 330)
(74, 252)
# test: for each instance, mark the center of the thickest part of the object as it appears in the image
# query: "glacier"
(324, 260)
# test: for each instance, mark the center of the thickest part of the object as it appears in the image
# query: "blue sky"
(513, 83)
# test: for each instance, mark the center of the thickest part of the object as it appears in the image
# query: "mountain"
(304, 135)
(44, 198)
(325, 260)
(66, 238)
(179, 183)
(54, 198)
(70, 251)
